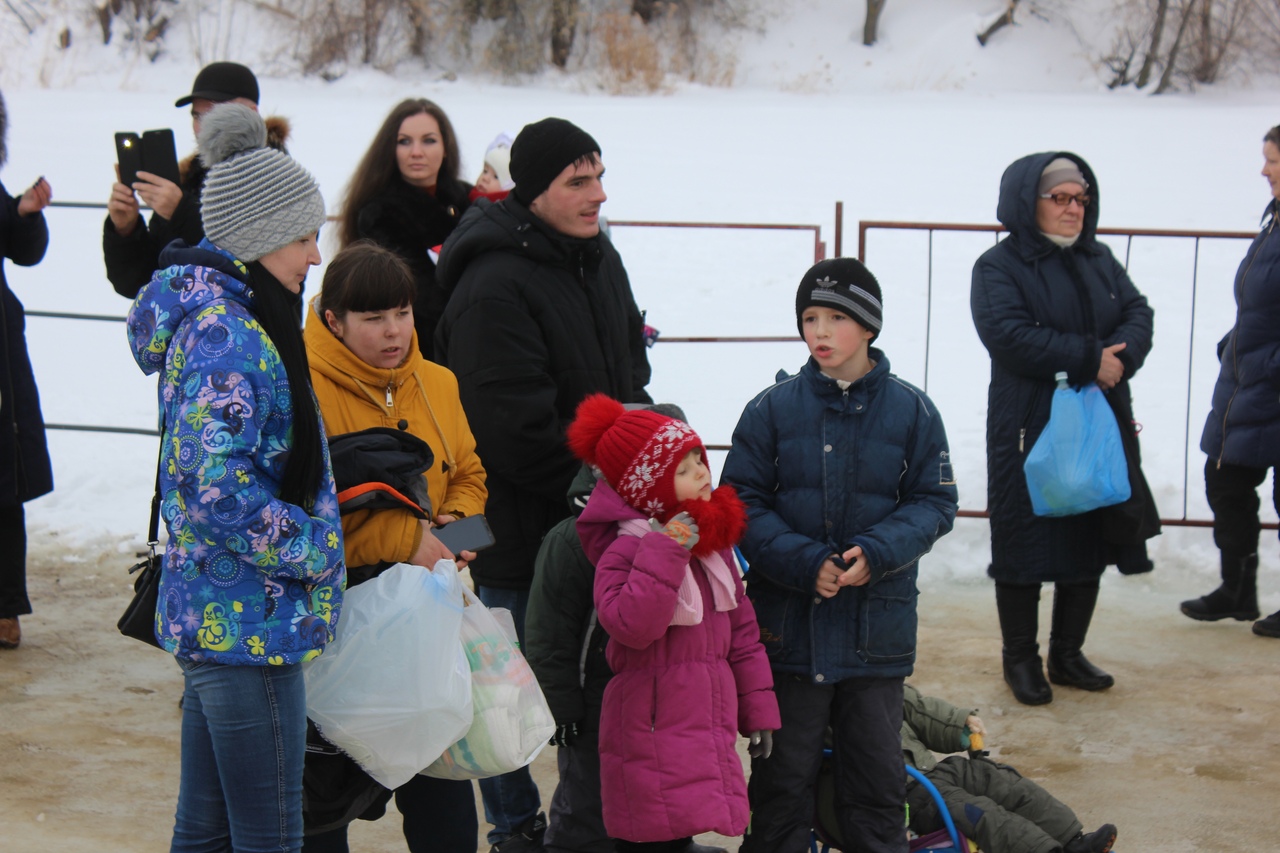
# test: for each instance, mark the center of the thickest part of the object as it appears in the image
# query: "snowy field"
(916, 137)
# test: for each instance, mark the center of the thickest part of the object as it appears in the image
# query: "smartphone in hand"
(154, 151)
(466, 534)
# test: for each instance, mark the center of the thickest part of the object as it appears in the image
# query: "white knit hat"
(255, 199)
(498, 157)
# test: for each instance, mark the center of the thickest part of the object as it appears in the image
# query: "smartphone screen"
(129, 156)
(466, 534)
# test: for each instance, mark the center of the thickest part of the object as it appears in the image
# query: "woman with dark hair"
(1049, 298)
(253, 571)
(367, 372)
(25, 472)
(406, 196)
(1242, 433)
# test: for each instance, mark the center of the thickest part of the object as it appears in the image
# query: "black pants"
(653, 846)
(439, 817)
(1232, 491)
(13, 563)
(865, 716)
(575, 818)
(995, 806)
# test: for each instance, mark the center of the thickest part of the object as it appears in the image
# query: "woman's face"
(1065, 220)
(378, 338)
(290, 263)
(420, 150)
(1271, 166)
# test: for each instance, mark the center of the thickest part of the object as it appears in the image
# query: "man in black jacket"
(130, 245)
(541, 315)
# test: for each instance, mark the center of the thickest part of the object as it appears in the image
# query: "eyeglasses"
(1065, 199)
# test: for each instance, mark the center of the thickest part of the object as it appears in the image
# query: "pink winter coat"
(680, 694)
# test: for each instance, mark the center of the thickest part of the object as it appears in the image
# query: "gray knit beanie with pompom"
(255, 199)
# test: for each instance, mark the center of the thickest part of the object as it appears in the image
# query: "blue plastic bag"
(1077, 463)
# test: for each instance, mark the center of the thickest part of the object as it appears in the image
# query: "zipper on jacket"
(1235, 348)
(653, 713)
(1022, 440)
(390, 401)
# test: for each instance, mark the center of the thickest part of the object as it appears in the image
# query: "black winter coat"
(25, 472)
(409, 221)
(1243, 427)
(1040, 309)
(564, 641)
(536, 322)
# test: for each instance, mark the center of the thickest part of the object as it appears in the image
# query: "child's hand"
(859, 571)
(974, 722)
(760, 744)
(681, 528)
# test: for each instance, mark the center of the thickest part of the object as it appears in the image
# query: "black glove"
(565, 735)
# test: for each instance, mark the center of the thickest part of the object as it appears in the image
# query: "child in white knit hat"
(495, 179)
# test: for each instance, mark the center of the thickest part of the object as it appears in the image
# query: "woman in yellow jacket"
(367, 372)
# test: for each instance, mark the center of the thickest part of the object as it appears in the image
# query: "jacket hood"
(330, 357)
(1020, 191)
(508, 226)
(580, 489)
(189, 278)
(598, 523)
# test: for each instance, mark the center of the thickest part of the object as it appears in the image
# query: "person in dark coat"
(406, 196)
(25, 472)
(541, 315)
(130, 244)
(1049, 298)
(1241, 436)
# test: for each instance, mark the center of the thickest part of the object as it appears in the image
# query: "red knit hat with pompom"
(637, 451)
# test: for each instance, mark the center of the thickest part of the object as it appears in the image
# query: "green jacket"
(931, 725)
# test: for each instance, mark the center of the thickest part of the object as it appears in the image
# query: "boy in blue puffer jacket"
(846, 474)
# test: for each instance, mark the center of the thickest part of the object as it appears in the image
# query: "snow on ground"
(917, 129)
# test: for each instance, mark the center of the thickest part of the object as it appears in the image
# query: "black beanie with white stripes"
(844, 285)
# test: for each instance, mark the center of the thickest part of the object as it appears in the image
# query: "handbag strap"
(153, 529)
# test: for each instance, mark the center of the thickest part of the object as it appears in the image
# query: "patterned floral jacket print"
(248, 579)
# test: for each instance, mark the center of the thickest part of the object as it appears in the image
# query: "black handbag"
(139, 619)
(1133, 522)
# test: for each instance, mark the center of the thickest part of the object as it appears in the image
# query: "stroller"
(826, 829)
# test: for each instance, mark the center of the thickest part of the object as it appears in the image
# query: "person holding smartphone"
(131, 245)
(367, 371)
(25, 472)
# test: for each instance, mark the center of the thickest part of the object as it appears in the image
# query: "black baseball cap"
(222, 81)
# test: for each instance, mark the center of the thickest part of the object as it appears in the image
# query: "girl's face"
(378, 338)
(420, 150)
(488, 181)
(693, 478)
(289, 263)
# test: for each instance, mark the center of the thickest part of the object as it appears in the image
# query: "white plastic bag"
(512, 720)
(393, 690)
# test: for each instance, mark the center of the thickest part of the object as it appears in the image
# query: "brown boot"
(10, 633)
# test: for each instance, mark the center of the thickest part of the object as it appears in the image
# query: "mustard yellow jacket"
(354, 395)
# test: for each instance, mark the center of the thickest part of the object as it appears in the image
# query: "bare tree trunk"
(1153, 53)
(645, 9)
(874, 8)
(1000, 22)
(564, 24)
(1166, 78)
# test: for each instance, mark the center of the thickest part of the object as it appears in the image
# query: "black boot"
(1098, 841)
(1019, 609)
(527, 839)
(1269, 627)
(1072, 612)
(1236, 598)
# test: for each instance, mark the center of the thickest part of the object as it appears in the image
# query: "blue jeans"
(512, 798)
(244, 732)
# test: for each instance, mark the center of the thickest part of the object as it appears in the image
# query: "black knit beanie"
(542, 151)
(845, 285)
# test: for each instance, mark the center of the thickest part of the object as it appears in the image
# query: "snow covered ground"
(915, 129)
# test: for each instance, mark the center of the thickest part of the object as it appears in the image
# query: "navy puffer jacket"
(1040, 309)
(1243, 427)
(822, 470)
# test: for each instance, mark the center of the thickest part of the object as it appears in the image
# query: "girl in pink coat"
(689, 670)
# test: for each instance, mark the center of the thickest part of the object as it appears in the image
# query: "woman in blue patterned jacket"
(253, 570)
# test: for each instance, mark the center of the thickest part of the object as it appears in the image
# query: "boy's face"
(836, 341)
(693, 478)
(488, 181)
